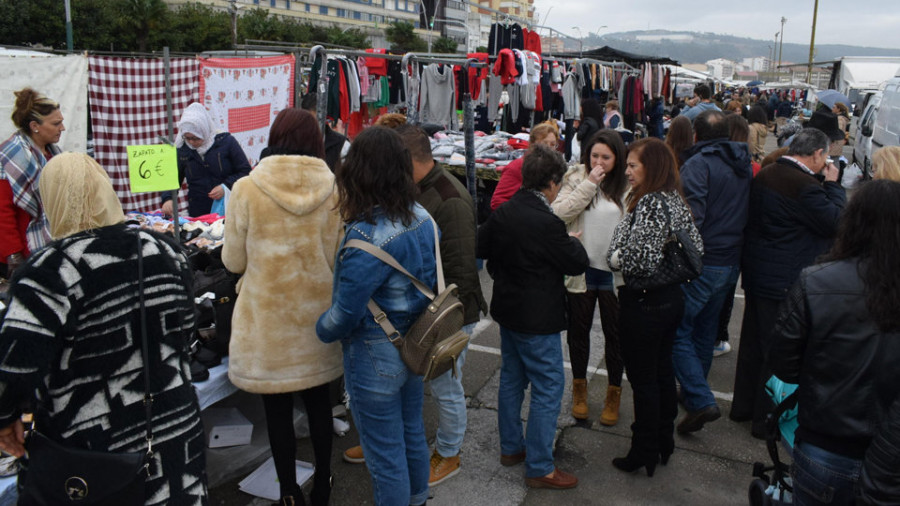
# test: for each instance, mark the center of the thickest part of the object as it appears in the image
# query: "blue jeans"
(451, 400)
(534, 358)
(386, 401)
(692, 351)
(822, 477)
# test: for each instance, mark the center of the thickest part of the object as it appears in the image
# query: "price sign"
(152, 168)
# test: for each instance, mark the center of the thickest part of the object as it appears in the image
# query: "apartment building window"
(323, 10)
(287, 4)
(272, 3)
(357, 15)
(307, 7)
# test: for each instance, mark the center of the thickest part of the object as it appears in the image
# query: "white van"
(886, 131)
(862, 144)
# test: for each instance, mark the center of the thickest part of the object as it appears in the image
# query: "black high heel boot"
(665, 451)
(321, 492)
(630, 464)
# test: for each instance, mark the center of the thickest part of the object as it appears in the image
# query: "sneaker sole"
(351, 460)
(446, 477)
(531, 483)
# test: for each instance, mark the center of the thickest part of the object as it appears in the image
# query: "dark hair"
(758, 114)
(376, 173)
(615, 183)
(309, 102)
(680, 137)
(869, 230)
(31, 106)
(738, 128)
(709, 125)
(296, 132)
(703, 91)
(660, 169)
(416, 141)
(807, 141)
(541, 166)
(591, 108)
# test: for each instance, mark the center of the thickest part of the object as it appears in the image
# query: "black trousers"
(280, 425)
(648, 323)
(581, 319)
(750, 399)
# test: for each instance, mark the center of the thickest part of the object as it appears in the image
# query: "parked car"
(862, 144)
(886, 130)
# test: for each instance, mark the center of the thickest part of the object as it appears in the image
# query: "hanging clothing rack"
(615, 64)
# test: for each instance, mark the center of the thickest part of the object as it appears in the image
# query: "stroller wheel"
(757, 493)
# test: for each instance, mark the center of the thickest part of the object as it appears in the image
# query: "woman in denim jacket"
(377, 202)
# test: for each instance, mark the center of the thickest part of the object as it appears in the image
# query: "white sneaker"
(721, 348)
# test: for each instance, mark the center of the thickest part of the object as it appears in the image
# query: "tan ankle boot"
(610, 415)
(579, 399)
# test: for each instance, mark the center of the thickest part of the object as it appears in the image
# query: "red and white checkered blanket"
(128, 107)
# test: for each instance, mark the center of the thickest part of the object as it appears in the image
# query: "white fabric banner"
(61, 78)
(243, 96)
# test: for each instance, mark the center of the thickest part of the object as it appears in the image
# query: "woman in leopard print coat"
(648, 318)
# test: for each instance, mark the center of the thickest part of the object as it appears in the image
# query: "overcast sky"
(874, 23)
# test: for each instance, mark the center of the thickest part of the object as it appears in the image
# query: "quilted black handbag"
(55, 474)
(681, 261)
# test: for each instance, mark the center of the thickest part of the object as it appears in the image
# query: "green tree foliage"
(352, 37)
(481, 49)
(149, 25)
(444, 45)
(197, 27)
(403, 39)
(144, 17)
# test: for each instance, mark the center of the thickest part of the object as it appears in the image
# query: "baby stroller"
(776, 489)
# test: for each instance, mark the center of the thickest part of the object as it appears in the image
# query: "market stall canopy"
(613, 54)
(754, 83)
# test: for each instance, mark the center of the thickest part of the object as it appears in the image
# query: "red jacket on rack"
(505, 66)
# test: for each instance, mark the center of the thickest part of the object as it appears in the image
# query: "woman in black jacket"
(838, 337)
(649, 318)
(207, 160)
(529, 253)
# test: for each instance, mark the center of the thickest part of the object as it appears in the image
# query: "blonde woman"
(886, 163)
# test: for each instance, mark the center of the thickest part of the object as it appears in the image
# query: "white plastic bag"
(852, 176)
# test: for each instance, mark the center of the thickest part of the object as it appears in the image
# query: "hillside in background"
(696, 47)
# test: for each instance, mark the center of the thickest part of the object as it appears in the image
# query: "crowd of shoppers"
(818, 275)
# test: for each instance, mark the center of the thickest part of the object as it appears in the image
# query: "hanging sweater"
(438, 96)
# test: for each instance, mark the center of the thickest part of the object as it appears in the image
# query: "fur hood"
(296, 191)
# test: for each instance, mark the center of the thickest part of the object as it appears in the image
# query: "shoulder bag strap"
(145, 349)
(379, 315)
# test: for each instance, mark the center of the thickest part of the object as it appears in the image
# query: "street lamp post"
(580, 41)
(812, 43)
(68, 27)
(773, 53)
(781, 45)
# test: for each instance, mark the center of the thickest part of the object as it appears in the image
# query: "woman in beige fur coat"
(282, 231)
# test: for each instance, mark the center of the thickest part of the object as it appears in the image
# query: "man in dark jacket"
(528, 253)
(795, 204)
(336, 145)
(716, 181)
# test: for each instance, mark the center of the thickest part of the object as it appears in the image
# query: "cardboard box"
(226, 427)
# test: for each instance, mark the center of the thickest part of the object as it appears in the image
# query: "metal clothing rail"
(617, 64)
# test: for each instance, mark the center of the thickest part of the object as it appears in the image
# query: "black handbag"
(54, 474)
(681, 261)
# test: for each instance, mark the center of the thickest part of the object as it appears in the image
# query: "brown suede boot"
(579, 399)
(610, 415)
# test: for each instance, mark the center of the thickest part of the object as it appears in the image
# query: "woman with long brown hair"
(649, 318)
(680, 137)
(591, 202)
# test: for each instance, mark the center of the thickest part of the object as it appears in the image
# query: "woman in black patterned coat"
(648, 318)
(70, 340)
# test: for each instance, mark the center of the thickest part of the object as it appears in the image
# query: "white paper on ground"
(264, 481)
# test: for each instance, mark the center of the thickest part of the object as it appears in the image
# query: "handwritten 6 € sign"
(152, 168)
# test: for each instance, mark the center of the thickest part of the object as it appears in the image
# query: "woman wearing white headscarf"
(70, 339)
(208, 159)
